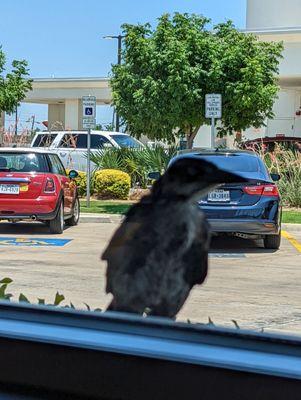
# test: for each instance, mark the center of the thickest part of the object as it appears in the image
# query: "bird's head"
(192, 178)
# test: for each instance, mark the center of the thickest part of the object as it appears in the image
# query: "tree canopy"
(14, 84)
(159, 89)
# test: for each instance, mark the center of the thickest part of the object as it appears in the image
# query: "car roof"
(213, 152)
(40, 150)
(94, 132)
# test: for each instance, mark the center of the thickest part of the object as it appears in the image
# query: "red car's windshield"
(23, 162)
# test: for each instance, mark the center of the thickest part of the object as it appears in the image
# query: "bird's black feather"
(160, 251)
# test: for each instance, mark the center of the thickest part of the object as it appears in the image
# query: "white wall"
(290, 64)
(273, 13)
(286, 121)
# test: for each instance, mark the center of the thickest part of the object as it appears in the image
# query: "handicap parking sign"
(88, 111)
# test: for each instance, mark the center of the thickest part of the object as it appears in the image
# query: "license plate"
(9, 189)
(219, 195)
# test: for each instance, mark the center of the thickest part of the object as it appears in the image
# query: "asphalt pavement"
(257, 288)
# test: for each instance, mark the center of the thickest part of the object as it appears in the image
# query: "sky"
(64, 38)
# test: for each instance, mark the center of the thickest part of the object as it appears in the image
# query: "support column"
(71, 114)
(56, 117)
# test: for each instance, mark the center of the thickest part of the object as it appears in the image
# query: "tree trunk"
(190, 136)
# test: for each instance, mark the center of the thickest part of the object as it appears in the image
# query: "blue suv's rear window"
(234, 162)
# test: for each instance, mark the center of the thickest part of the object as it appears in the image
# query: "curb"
(117, 218)
(292, 227)
(100, 218)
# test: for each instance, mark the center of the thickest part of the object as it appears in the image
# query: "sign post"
(89, 122)
(213, 108)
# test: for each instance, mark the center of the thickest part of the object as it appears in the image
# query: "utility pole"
(119, 38)
(32, 123)
(16, 121)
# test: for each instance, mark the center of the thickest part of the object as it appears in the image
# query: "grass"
(106, 206)
(293, 217)
(121, 206)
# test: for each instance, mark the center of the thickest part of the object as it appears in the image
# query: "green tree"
(159, 89)
(14, 84)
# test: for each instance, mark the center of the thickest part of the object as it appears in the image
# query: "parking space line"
(292, 240)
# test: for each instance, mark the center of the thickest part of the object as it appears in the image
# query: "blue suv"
(251, 209)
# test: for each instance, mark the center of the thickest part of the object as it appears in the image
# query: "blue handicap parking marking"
(227, 255)
(32, 242)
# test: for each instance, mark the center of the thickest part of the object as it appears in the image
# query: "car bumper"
(249, 227)
(42, 208)
(263, 218)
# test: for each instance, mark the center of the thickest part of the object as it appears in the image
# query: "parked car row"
(34, 186)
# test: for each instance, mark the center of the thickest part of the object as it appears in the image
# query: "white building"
(277, 20)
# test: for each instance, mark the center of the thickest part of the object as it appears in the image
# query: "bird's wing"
(196, 257)
(129, 227)
(125, 252)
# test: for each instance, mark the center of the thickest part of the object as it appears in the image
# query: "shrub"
(112, 184)
(136, 162)
(286, 163)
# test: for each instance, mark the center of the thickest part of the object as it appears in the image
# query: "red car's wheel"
(56, 225)
(75, 217)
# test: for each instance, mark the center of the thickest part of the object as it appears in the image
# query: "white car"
(71, 146)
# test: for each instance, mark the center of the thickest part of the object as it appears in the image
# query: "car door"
(67, 185)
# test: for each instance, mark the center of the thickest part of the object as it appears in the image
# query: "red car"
(34, 186)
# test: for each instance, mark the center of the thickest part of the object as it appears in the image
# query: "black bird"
(160, 251)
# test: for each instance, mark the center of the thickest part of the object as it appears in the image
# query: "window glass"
(57, 166)
(230, 162)
(23, 162)
(76, 141)
(97, 141)
(125, 141)
(44, 139)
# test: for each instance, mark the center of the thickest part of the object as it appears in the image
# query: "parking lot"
(257, 288)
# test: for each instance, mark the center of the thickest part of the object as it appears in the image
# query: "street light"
(119, 38)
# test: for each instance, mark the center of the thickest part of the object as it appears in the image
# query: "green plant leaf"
(88, 307)
(97, 309)
(2, 291)
(235, 323)
(23, 298)
(58, 298)
(6, 280)
(41, 301)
